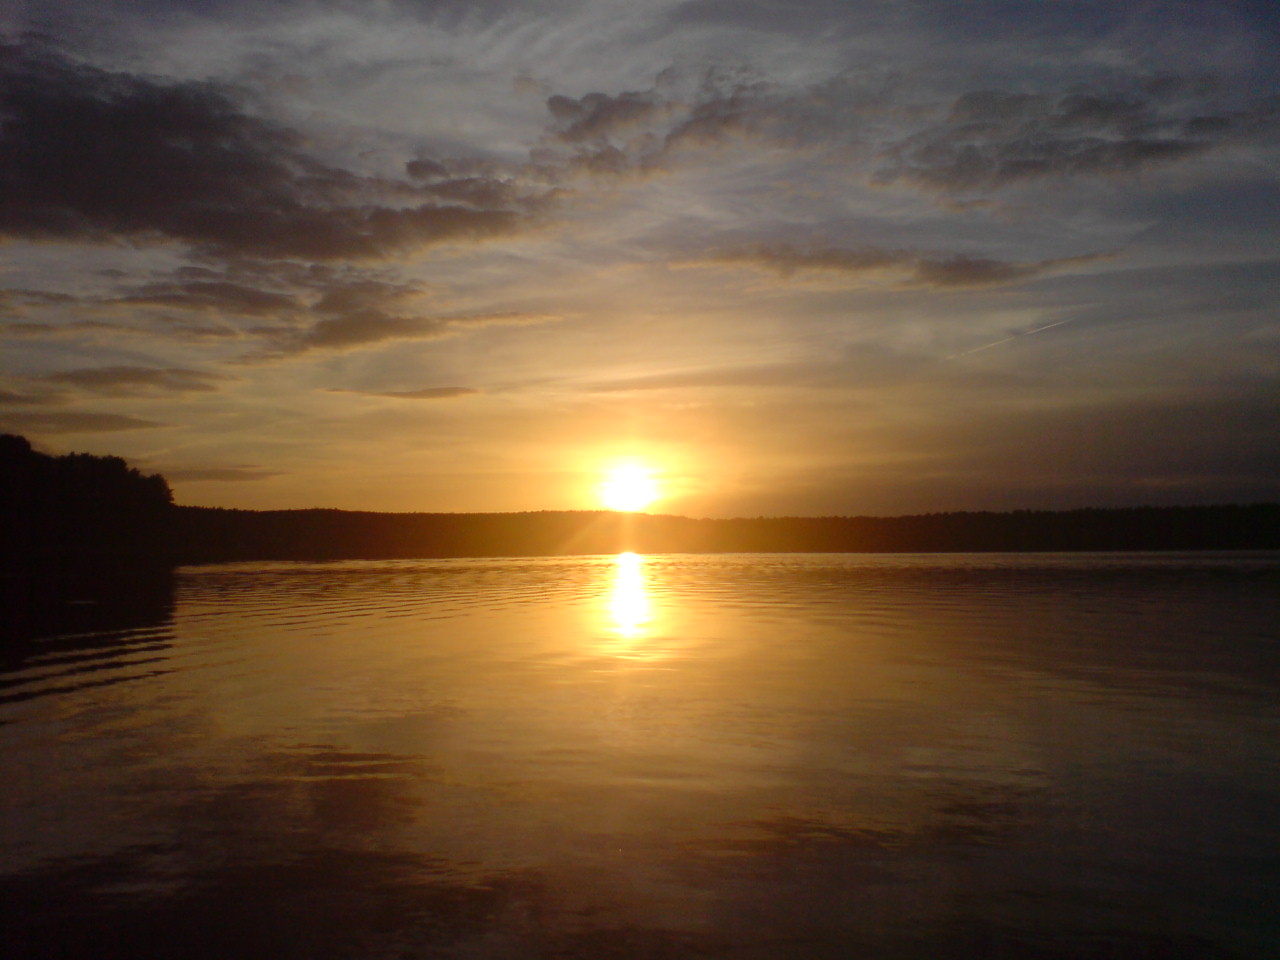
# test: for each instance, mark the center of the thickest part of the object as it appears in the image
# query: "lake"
(733, 756)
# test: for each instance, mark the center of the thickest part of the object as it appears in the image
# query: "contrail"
(1024, 333)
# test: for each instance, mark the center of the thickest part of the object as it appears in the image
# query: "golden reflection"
(629, 599)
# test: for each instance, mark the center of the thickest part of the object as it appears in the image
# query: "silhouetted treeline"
(78, 506)
(86, 508)
(209, 534)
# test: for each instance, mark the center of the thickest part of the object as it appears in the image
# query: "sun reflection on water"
(628, 606)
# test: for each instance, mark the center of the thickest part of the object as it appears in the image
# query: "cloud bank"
(94, 155)
(818, 255)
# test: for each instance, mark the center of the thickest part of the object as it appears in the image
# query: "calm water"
(1041, 756)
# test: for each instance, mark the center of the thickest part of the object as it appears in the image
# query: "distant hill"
(209, 534)
(95, 509)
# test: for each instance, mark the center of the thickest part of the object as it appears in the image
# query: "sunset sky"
(780, 256)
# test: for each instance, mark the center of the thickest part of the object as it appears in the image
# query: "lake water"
(799, 756)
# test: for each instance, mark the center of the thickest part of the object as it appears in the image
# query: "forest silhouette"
(94, 509)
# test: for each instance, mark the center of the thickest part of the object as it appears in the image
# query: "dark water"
(1039, 756)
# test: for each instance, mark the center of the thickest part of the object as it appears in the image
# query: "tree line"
(79, 505)
(95, 508)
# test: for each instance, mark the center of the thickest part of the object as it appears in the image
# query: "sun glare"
(628, 487)
(629, 602)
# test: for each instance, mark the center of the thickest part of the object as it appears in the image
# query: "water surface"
(1047, 756)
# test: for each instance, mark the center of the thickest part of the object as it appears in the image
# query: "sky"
(783, 257)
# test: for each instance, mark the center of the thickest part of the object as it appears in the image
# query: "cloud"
(123, 381)
(425, 168)
(598, 117)
(357, 309)
(786, 260)
(851, 372)
(94, 155)
(72, 422)
(215, 296)
(427, 393)
(371, 328)
(886, 131)
(8, 398)
(305, 306)
(18, 299)
(363, 295)
(993, 138)
(94, 330)
(357, 331)
(219, 474)
(962, 271)
(912, 269)
(641, 130)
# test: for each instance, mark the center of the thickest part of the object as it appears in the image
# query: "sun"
(628, 487)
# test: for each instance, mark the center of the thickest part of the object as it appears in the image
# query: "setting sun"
(628, 487)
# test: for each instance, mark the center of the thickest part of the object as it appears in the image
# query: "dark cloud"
(314, 306)
(121, 381)
(479, 193)
(426, 169)
(358, 331)
(597, 116)
(9, 398)
(737, 108)
(17, 299)
(786, 260)
(72, 422)
(427, 393)
(993, 138)
(369, 328)
(351, 296)
(358, 309)
(46, 330)
(980, 140)
(638, 130)
(962, 271)
(340, 297)
(87, 154)
(913, 268)
(219, 296)
(93, 330)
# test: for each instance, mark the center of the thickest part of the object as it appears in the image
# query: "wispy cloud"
(73, 422)
(426, 393)
(362, 330)
(11, 398)
(124, 381)
(213, 296)
(991, 139)
(227, 474)
(905, 267)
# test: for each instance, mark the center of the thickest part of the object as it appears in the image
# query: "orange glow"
(628, 487)
(629, 601)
